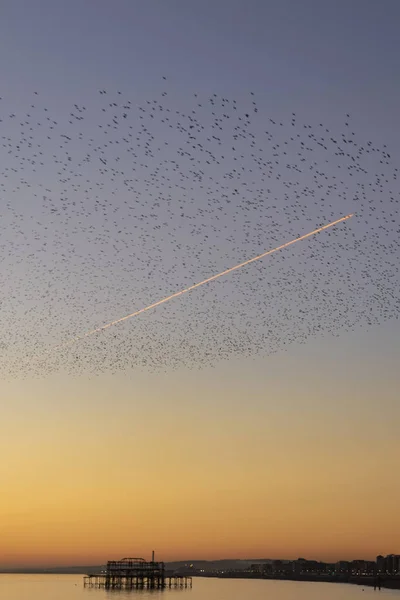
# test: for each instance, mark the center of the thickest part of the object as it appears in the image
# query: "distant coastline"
(385, 582)
(370, 581)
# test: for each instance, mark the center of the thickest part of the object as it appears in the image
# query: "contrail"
(208, 280)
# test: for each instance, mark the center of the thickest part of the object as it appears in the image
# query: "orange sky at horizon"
(292, 455)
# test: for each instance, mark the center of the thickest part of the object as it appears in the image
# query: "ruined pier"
(131, 573)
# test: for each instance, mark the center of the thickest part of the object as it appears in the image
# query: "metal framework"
(130, 573)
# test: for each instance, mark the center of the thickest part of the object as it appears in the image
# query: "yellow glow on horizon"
(96, 474)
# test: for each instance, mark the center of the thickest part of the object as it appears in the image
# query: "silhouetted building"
(393, 564)
(389, 565)
(380, 564)
(257, 568)
(342, 567)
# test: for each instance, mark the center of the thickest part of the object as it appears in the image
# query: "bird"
(109, 205)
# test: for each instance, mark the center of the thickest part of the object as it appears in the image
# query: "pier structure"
(130, 573)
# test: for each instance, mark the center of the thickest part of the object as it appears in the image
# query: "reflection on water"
(70, 587)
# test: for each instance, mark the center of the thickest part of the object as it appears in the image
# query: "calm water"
(70, 587)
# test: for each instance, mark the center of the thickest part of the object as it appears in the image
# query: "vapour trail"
(196, 285)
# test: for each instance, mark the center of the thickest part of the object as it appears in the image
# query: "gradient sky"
(294, 454)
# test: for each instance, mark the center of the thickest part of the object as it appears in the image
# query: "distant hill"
(209, 566)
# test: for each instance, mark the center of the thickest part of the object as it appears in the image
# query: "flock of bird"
(108, 206)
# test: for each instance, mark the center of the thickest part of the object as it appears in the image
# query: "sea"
(70, 587)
